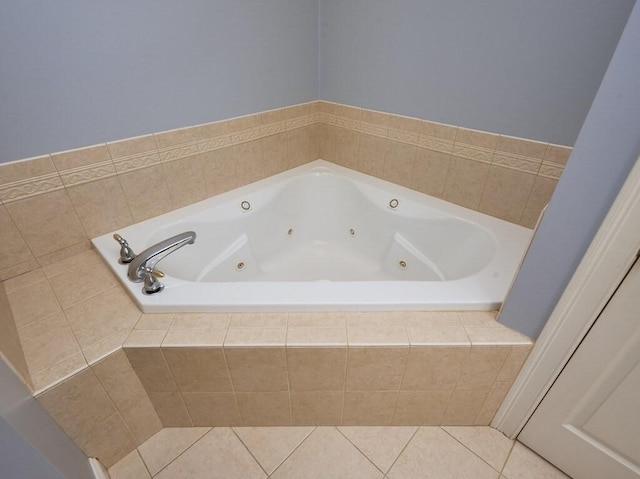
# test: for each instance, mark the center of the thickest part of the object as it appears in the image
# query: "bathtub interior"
(321, 237)
(323, 227)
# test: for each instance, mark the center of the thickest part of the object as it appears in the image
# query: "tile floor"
(333, 452)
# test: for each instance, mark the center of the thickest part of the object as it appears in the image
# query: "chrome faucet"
(142, 267)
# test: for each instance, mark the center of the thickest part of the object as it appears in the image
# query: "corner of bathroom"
(458, 145)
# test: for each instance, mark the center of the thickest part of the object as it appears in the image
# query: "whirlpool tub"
(321, 237)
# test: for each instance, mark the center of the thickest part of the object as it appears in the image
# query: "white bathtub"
(322, 237)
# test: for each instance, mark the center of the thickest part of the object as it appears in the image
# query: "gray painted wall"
(76, 73)
(604, 153)
(517, 67)
(31, 443)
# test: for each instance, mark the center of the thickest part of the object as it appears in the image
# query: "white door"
(588, 424)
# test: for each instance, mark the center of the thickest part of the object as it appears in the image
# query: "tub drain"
(245, 205)
(290, 232)
(240, 266)
(352, 232)
(402, 264)
(393, 204)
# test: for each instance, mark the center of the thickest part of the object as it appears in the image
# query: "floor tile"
(432, 453)
(129, 467)
(382, 445)
(523, 463)
(492, 446)
(327, 454)
(218, 454)
(272, 445)
(168, 444)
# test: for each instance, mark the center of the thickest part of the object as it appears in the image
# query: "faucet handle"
(150, 277)
(126, 253)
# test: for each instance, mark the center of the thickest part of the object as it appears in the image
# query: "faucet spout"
(146, 261)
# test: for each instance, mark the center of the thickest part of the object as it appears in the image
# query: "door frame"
(604, 265)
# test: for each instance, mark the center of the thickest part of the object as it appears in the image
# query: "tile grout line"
(513, 444)
(472, 451)
(360, 450)
(294, 450)
(180, 454)
(403, 449)
(249, 451)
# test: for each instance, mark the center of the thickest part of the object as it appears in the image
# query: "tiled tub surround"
(51, 205)
(112, 376)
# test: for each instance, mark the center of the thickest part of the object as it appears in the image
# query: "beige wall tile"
(101, 206)
(81, 157)
(146, 192)
(26, 169)
(13, 249)
(514, 362)
(505, 193)
(248, 160)
(212, 409)
(198, 369)
(371, 154)
(175, 137)
(398, 163)
(131, 146)
(23, 280)
(430, 171)
(377, 336)
(346, 111)
(155, 321)
(10, 346)
(171, 409)
(274, 154)
(463, 407)
(244, 122)
(71, 286)
(32, 303)
(316, 320)
(200, 321)
(369, 408)
(438, 130)
(540, 195)
(404, 123)
(78, 404)
(105, 346)
(482, 367)
(152, 370)
(47, 222)
(327, 107)
(520, 146)
(219, 170)
(258, 320)
(44, 379)
(465, 182)
(430, 335)
(194, 338)
(494, 336)
(258, 369)
(264, 408)
(47, 342)
(423, 408)
(557, 154)
(299, 147)
(346, 148)
(212, 130)
(80, 258)
(255, 337)
(434, 368)
(478, 319)
(375, 369)
(494, 399)
(141, 338)
(375, 319)
(108, 441)
(316, 369)
(482, 139)
(375, 117)
(327, 142)
(185, 180)
(64, 253)
(316, 337)
(128, 395)
(102, 316)
(17, 270)
(317, 408)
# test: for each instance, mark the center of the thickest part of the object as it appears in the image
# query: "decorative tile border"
(86, 174)
(23, 189)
